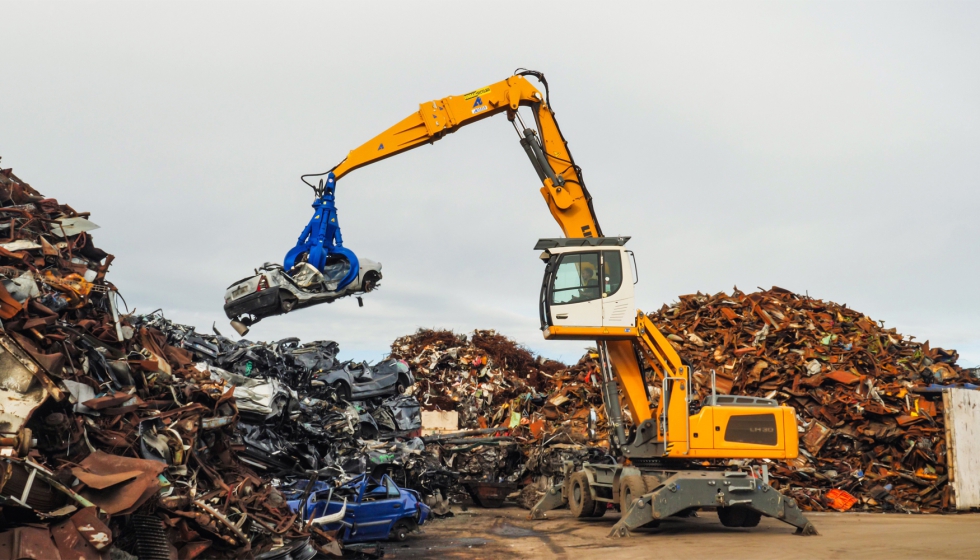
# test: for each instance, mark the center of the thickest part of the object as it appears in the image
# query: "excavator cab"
(587, 290)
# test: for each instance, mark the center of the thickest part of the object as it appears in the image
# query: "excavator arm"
(564, 191)
(562, 185)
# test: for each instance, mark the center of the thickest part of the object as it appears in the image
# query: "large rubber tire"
(579, 498)
(738, 516)
(752, 518)
(600, 508)
(631, 487)
(651, 482)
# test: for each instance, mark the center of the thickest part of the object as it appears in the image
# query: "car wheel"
(370, 282)
(399, 532)
(287, 304)
(401, 386)
(341, 390)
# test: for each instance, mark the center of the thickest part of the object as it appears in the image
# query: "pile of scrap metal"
(523, 417)
(133, 436)
(492, 381)
(868, 399)
(106, 446)
(297, 420)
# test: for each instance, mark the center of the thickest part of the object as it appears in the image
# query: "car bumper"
(423, 513)
(260, 304)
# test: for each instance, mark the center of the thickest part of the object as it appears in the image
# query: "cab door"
(575, 295)
(618, 309)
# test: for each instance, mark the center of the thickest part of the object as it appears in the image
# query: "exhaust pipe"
(240, 328)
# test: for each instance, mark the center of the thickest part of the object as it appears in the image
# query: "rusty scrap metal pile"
(131, 435)
(533, 411)
(483, 377)
(868, 398)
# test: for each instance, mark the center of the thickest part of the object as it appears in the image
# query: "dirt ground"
(507, 533)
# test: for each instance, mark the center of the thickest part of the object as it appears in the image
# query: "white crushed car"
(273, 291)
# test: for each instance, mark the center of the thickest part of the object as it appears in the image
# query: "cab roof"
(561, 242)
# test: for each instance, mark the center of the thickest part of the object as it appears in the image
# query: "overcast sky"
(828, 148)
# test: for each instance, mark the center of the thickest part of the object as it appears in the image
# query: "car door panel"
(377, 513)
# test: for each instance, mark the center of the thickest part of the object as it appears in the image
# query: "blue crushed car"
(365, 509)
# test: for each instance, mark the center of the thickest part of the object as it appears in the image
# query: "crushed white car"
(273, 291)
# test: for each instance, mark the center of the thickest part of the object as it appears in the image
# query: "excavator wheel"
(735, 516)
(579, 498)
(632, 487)
(600, 508)
(752, 519)
(651, 482)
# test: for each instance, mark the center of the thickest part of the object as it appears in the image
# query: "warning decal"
(476, 93)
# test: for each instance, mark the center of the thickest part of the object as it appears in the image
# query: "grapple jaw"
(321, 238)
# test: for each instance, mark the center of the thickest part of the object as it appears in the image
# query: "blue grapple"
(321, 238)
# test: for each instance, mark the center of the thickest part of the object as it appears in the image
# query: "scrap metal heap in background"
(534, 412)
(868, 399)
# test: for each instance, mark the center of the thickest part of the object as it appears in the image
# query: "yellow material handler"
(587, 293)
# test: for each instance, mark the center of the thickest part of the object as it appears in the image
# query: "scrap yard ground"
(506, 533)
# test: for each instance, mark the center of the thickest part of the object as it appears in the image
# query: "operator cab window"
(576, 279)
(612, 267)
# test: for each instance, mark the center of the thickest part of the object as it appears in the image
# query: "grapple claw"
(321, 238)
